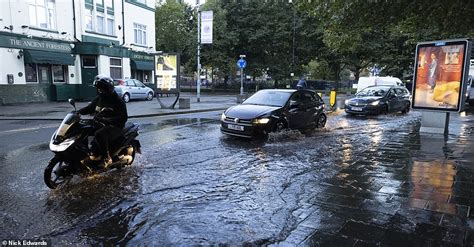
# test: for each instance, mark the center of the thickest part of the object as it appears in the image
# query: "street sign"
(242, 63)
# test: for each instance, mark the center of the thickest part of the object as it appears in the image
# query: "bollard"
(184, 103)
(332, 99)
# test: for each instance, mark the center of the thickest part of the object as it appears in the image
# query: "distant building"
(51, 49)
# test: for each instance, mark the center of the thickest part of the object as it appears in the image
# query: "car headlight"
(261, 121)
(222, 117)
(346, 102)
(377, 102)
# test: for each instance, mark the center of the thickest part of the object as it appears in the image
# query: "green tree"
(385, 33)
(174, 29)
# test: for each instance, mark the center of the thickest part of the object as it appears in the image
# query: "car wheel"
(384, 110)
(279, 126)
(126, 97)
(149, 96)
(321, 121)
(406, 109)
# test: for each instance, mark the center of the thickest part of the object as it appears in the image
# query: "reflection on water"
(432, 185)
(89, 201)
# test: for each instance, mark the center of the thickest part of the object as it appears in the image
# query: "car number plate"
(357, 108)
(235, 127)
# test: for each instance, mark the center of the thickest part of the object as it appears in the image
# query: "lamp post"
(198, 83)
(293, 45)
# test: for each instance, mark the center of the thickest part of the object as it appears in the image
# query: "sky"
(193, 2)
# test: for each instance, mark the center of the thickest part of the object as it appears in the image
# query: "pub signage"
(27, 43)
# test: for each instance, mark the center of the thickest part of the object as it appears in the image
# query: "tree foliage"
(174, 28)
(318, 37)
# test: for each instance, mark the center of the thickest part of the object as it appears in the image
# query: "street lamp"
(198, 83)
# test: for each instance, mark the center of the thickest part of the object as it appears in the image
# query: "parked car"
(274, 110)
(133, 89)
(379, 99)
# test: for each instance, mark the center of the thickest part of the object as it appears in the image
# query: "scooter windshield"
(68, 121)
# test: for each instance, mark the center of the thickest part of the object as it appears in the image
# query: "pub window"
(100, 17)
(42, 13)
(100, 23)
(89, 62)
(139, 32)
(116, 68)
(110, 25)
(31, 73)
(59, 73)
(89, 20)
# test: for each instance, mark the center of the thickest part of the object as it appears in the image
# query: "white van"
(377, 81)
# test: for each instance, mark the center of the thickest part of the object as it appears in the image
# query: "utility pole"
(198, 83)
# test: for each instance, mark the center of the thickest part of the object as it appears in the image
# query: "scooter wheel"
(54, 173)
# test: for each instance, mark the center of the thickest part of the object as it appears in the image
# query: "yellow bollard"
(332, 99)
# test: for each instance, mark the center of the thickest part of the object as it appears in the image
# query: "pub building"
(51, 50)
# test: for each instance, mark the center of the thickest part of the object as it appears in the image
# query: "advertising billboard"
(167, 73)
(441, 70)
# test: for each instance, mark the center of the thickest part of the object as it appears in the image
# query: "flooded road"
(359, 180)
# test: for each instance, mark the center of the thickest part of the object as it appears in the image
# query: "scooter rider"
(110, 110)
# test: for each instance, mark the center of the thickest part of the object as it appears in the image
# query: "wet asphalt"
(361, 181)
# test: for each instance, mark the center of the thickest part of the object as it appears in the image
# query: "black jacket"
(116, 115)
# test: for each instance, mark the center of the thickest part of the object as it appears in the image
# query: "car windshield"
(373, 91)
(270, 98)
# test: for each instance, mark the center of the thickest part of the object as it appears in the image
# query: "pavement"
(411, 188)
(136, 109)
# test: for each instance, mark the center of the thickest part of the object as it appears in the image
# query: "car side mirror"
(72, 102)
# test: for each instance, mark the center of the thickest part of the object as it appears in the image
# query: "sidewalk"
(136, 109)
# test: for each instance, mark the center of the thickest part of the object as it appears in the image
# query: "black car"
(379, 99)
(273, 110)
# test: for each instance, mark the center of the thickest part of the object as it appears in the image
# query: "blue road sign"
(242, 63)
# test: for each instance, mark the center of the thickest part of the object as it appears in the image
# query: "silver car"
(133, 89)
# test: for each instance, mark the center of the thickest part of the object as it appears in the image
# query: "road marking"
(28, 129)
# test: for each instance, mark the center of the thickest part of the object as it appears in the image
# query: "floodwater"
(194, 186)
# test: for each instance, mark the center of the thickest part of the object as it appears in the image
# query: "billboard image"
(166, 71)
(440, 75)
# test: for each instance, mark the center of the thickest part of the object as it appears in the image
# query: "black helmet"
(104, 84)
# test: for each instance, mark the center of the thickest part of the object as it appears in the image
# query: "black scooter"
(71, 144)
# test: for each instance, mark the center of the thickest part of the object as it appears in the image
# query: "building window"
(31, 73)
(116, 68)
(141, 1)
(100, 21)
(110, 25)
(59, 73)
(42, 13)
(139, 32)
(89, 20)
(89, 62)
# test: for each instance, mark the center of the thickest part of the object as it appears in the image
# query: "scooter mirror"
(72, 102)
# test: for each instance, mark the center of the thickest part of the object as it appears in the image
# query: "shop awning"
(142, 65)
(45, 57)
